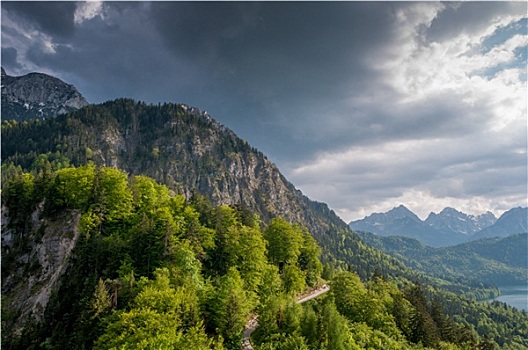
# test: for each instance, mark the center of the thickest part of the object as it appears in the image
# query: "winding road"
(252, 324)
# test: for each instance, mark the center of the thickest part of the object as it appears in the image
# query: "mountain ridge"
(452, 219)
(184, 148)
(448, 227)
(497, 260)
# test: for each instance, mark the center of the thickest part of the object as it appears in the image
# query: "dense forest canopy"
(153, 269)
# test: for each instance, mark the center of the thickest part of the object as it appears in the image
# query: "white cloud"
(88, 10)
(473, 159)
(468, 149)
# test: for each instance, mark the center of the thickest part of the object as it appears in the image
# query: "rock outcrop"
(33, 262)
(37, 95)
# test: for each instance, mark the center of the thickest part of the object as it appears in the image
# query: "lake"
(516, 296)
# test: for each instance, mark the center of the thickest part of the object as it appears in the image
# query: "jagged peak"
(402, 210)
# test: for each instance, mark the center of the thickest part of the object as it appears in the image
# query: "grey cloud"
(54, 18)
(9, 58)
(285, 60)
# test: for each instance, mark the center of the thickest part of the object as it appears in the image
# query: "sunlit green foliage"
(162, 317)
(153, 270)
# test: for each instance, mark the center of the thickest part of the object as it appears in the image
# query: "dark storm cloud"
(54, 18)
(121, 45)
(281, 61)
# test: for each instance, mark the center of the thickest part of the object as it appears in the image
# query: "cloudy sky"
(362, 105)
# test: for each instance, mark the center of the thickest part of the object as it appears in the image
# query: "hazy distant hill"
(37, 95)
(501, 261)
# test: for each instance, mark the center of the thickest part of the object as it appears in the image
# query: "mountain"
(187, 150)
(400, 221)
(500, 260)
(181, 147)
(37, 95)
(447, 228)
(383, 223)
(512, 221)
(450, 219)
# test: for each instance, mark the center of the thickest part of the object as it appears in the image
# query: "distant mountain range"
(37, 96)
(449, 227)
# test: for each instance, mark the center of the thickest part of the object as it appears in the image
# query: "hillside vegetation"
(500, 261)
(150, 269)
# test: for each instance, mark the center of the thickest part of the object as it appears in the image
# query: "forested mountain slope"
(501, 261)
(188, 151)
(130, 224)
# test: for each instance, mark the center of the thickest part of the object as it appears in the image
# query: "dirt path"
(252, 324)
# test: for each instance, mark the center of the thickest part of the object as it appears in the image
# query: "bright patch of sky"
(87, 10)
(510, 42)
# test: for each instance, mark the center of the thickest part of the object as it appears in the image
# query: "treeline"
(153, 269)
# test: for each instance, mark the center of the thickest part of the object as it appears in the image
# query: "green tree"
(229, 308)
(284, 242)
(422, 326)
(309, 259)
(18, 197)
(350, 296)
(155, 320)
(294, 279)
(251, 255)
(335, 329)
(272, 283)
(310, 327)
(101, 302)
(72, 188)
(111, 195)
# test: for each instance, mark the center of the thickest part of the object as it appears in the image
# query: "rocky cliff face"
(33, 261)
(38, 95)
